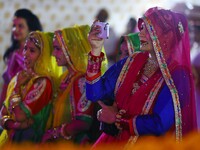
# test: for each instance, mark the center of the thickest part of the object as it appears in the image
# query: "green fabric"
(85, 118)
(28, 113)
(36, 131)
(40, 120)
(134, 39)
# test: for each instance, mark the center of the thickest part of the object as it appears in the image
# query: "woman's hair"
(102, 15)
(33, 24)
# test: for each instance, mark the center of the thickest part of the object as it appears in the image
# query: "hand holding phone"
(104, 30)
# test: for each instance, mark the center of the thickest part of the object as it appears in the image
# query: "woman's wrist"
(94, 62)
(96, 53)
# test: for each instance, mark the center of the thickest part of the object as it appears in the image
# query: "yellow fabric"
(5, 133)
(77, 46)
(104, 64)
(3, 137)
(62, 109)
(46, 64)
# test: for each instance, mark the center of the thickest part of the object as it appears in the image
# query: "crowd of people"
(62, 85)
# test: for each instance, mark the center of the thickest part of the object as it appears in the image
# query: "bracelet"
(94, 68)
(15, 100)
(63, 133)
(94, 62)
(56, 132)
(121, 123)
(4, 119)
(131, 126)
(95, 59)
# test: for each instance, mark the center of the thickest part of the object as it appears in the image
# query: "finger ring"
(99, 114)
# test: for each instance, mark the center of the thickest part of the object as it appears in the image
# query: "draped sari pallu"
(139, 103)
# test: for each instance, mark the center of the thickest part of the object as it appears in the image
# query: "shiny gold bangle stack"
(4, 119)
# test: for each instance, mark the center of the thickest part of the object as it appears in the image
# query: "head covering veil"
(75, 46)
(46, 64)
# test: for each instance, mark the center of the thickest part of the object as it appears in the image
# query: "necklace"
(150, 67)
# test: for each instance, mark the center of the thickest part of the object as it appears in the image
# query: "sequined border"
(124, 71)
(167, 76)
(146, 108)
(93, 81)
(64, 48)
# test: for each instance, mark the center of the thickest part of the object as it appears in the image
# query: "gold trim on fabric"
(124, 71)
(146, 108)
(167, 76)
(64, 48)
(34, 94)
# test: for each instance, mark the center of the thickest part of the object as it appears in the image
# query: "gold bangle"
(5, 116)
(15, 100)
(15, 95)
(4, 120)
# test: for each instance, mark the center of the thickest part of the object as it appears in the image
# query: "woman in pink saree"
(152, 90)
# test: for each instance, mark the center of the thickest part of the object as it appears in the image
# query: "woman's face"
(20, 29)
(145, 40)
(31, 54)
(58, 53)
(123, 50)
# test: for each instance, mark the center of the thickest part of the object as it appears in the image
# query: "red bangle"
(95, 59)
(131, 126)
(94, 63)
(120, 122)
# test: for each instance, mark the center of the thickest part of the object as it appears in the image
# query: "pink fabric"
(169, 32)
(14, 65)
